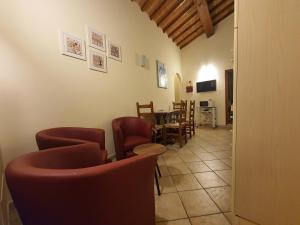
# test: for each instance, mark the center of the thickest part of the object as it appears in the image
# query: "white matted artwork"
(114, 51)
(96, 39)
(97, 61)
(72, 45)
(162, 77)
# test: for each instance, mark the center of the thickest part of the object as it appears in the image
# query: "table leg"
(158, 170)
(157, 183)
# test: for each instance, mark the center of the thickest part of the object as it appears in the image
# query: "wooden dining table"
(163, 117)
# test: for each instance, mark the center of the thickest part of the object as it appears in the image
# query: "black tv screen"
(210, 85)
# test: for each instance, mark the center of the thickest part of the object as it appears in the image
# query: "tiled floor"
(196, 181)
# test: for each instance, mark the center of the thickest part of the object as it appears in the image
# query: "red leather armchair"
(67, 186)
(66, 136)
(128, 133)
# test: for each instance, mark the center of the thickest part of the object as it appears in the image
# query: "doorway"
(229, 95)
(178, 87)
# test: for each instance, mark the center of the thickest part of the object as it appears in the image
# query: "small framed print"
(97, 61)
(96, 39)
(162, 77)
(72, 45)
(114, 51)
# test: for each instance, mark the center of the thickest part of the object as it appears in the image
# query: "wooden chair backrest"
(146, 112)
(192, 111)
(180, 109)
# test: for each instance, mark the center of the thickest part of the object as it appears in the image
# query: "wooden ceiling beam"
(181, 20)
(214, 4)
(151, 6)
(184, 27)
(164, 10)
(177, 12)
(221, 7)
(204, 15)
(188, 32)
(190, 38)
(222, 15)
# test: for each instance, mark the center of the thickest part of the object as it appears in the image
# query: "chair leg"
(180, 138)
(194, 128)
(158, 170)
(157, 183)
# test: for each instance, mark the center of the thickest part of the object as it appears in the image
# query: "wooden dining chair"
(182, 105)
(190, 122)
(146, 112)
(177, 128)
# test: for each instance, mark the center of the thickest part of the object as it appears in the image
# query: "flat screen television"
(205, 86)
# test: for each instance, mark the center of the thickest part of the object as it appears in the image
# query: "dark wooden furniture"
(153, 149)
(177, 127)
(146, 112)
(190, 123)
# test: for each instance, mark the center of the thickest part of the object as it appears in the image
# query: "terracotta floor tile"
(197, 167)
(169, 207)
(222, 197)
(216, 219)
(216, 165)
(186, 182)
(198, 203)
(209, 179)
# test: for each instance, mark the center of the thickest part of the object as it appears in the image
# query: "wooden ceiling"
(185, 20)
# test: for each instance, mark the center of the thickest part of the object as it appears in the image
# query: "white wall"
(215, 52)
(39, 88)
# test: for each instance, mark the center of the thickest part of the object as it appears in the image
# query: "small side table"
(151, 148)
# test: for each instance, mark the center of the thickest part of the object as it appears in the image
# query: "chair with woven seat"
(66, 136)
(190, 123)
(177, 128)
(146, 112)
(70, 185)
(129, 132)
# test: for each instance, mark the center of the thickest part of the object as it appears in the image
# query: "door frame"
(227, 115)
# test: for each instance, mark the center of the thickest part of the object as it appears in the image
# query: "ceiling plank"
(177, 12)
(188, 32)
(222, 15)
(151, 6)
(184, 26)
(221, 7)
(181, 20)
(164, 10)
(190, 38)
(214, 4)
(205, 18)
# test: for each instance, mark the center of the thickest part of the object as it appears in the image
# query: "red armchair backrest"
(74, 190)
(129, 126)
(65, 136)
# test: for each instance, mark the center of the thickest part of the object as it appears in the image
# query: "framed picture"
(72, 45)
(96, 39)
(162, 77)
(97, 61)
(114, 51)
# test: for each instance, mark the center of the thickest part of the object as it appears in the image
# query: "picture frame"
(114, 51)
(96, 39)
(162, 77)
(72, 45)
(97, 61)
